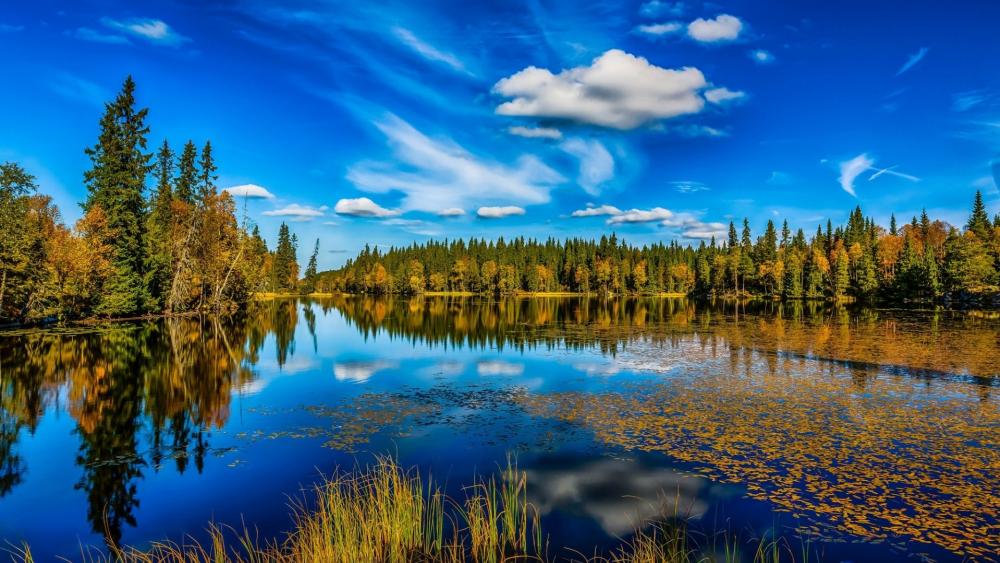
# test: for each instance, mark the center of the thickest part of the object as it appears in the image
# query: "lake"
(853, 433)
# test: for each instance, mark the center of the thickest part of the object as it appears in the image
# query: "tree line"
(176, 247)
(922, 260)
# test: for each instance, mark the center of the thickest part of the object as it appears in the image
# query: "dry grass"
(386, 514)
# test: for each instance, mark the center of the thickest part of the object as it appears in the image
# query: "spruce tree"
(187, 174)
(159, 239)
(206, 174)
(892, 225)
(310, 274)
(979, 221)
(115, 184)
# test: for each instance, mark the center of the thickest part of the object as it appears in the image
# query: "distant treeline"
(181, 248)
(922, 260)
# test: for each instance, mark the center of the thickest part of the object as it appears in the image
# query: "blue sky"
(388, 123)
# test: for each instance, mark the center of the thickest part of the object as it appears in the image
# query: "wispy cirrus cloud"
(688, 186)
(964, 101)
(148, 29)
(912, 60)
(75, 88)
(658, 8)
(95, 36)
(428, 51)
(535, 132)
(851, 169)
(617, 90)
(435, 174)
(597, 166)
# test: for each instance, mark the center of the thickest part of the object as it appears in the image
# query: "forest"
(923, 260)
(173, 248)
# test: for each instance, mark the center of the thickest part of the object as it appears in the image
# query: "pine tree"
(115, 184)
(187, 174)
(892, 225)
(979, 221)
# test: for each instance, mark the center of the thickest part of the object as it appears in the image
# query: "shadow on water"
(752, 395)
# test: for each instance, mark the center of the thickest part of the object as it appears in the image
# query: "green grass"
(386, 514)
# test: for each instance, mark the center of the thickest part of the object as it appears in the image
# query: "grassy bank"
(384, 513)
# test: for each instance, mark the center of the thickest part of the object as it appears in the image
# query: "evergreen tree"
(979, 221)
(16, 185)
(159, 239)
(206, 174)
(309, 284)
(115, 185)
(892, 225)
(187, 174)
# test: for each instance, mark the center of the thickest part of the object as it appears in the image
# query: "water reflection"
(869, 423)
(173, 379)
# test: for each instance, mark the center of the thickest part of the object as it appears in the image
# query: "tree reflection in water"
(173, 377)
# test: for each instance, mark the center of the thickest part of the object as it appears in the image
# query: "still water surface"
(867, 434)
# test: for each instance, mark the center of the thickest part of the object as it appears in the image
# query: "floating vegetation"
(879, 457)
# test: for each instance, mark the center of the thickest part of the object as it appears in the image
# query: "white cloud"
(251, 191)
(428, 51)
(592, 211)
(642, 216)
(617, 90)
(699, 230)
(152, 30)
(362, 207)
(657, 8)
(762, 56)
(535, 132)
(719, 96)
(498, 367)
(451, 212)
(851, 169)
(912, 60)
(438, 173)
(499, 212)
(689, 225)
(302, 212)
(596, 163)
(88, 34)
(360, 371)
(8, 28)
(660, 29)
(723, 28)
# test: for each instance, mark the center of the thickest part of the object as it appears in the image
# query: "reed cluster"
(386, 514)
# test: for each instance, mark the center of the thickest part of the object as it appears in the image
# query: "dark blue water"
(150, 431)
